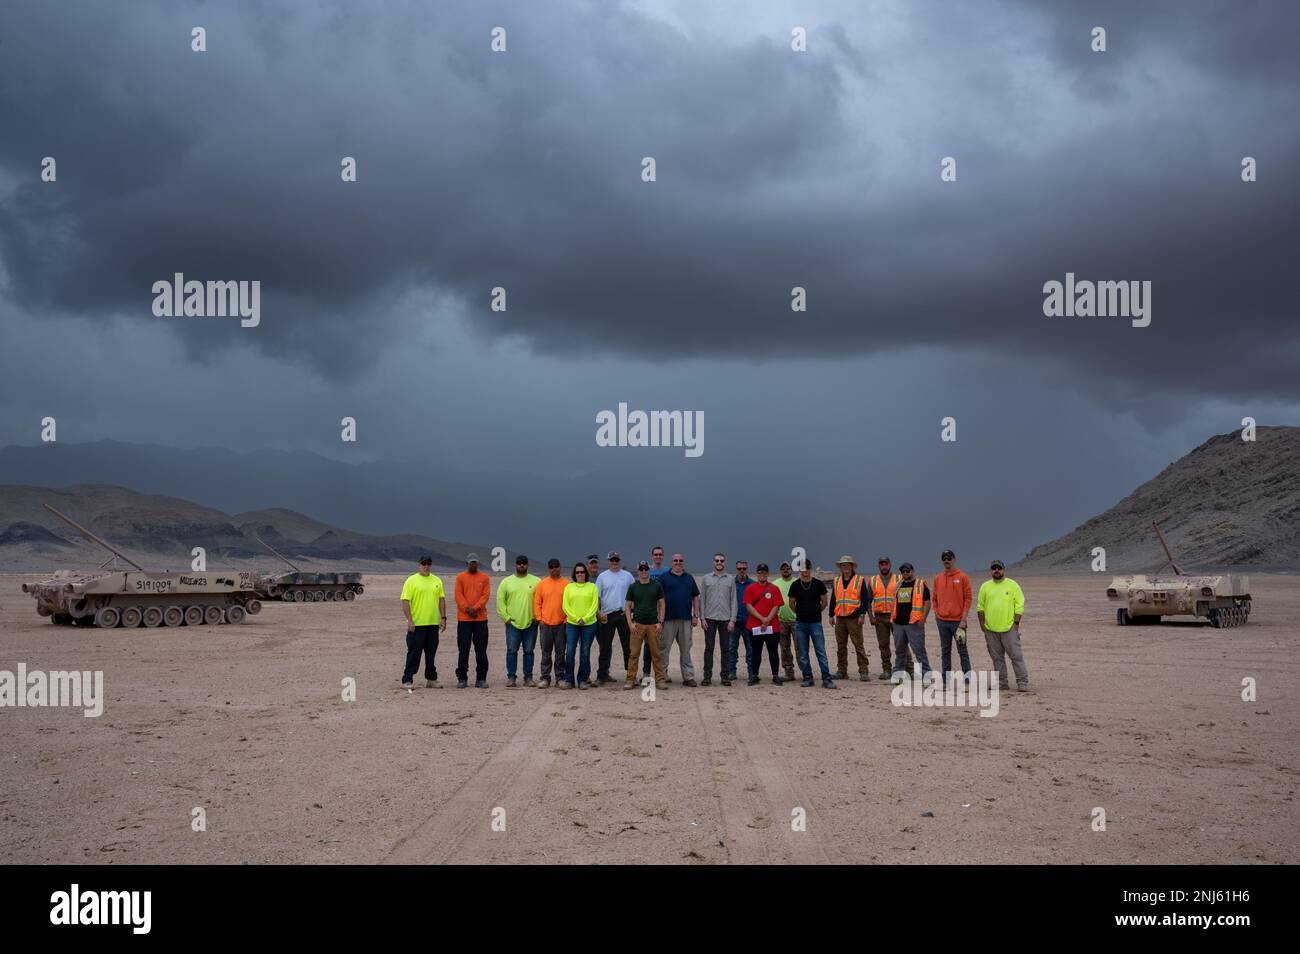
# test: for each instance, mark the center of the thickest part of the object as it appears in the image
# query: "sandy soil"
(248, 723)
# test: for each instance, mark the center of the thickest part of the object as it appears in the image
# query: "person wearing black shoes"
(762, 601)
(808, 598)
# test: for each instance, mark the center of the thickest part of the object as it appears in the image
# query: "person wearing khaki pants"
(847, 607)
(645, 606)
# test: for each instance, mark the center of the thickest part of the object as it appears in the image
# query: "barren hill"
(159, 532)
(1229, 503)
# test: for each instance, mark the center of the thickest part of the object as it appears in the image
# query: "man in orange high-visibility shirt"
(951, 594)
(548, 610)
(472, 590)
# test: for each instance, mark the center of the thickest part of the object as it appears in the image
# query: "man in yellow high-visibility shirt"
(1000, 606)
(424, 604)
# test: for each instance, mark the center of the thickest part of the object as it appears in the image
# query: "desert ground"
(248, 722)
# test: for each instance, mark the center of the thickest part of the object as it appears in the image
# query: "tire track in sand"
(461, 827)
(756, 805)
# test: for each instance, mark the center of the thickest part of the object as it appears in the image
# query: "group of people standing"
(659, 608)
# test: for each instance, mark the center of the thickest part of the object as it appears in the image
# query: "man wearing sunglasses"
(1000, 606)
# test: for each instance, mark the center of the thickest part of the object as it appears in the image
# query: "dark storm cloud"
(775, 169)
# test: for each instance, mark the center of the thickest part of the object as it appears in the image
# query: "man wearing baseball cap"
(1000, 606)
(762, 601)
(424, 604)
(515, 607)
(785, 619)
(952, 599)
(552, 628)
(472, 590)
(612, 586)
(911, 609)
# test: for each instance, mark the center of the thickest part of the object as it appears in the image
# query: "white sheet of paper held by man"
(763, 631)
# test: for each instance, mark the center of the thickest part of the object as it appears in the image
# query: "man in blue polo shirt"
(681, 611)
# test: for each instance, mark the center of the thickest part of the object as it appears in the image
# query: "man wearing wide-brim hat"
(848, 605)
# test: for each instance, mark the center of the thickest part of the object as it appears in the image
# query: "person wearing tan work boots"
(847, 609)
(880, 611)
(952, 598)
(645, 607)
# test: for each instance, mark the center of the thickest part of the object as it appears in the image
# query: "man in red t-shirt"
(762, 600)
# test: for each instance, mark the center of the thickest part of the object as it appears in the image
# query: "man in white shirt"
(612, 586)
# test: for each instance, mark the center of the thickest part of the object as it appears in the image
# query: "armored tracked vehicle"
(110, 598)
(1223, 599)
(300, 586)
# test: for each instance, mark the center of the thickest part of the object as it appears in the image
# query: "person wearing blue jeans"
(516, 639)
(808, 597)
(579, 640)
(741, 629)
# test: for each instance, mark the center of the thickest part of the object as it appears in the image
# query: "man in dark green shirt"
(645, 604)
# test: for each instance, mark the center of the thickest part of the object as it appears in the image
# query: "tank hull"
(1223, 600)
(141, 598)
(302, 587)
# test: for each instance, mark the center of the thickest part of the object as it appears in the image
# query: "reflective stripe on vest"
(848, 599)
(882, 596)
(918, 606)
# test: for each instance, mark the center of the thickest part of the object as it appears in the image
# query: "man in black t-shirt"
(808, 597)
(911, 610)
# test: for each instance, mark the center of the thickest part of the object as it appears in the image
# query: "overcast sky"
(775, 168)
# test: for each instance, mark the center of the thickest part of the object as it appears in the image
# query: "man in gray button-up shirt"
(718, 616)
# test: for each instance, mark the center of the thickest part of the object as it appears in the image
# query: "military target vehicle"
(110, 598)
(300, 586)
(1221, 598)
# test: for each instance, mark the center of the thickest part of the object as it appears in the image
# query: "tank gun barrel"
(1177, 568)
(277, 553)
(111, 549)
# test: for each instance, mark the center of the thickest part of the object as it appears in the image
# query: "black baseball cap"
(426, 561)
(761, 568)
(903, 568)
(592, 556)
(996, 565)
(787, 563)
(947, 555)
(552, 562)
(521, 560)
(643, 565)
